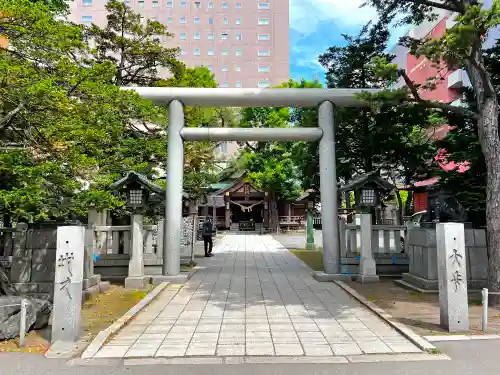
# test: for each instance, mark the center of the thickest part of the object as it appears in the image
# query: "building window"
(210, 21)
(141, 3)
(225, 52)
(238, 84)
(156, 3)
(211, 52)
(263, 52)
(210, 67)
(263, 21)
(263, 5)
(170, 4)
(86, 2)
(225, 21)
(225, 5)
(225, 84)
(197, 52)
(225, 68)
(183, 19)
(238, 36)
(170, 19)
(264, 68)
(183, 4)
(238, 5)
(197, 4)
(224, 36)
(210, 5)
(182, 35)
(87, 20)
(223, 147)
(238, 21)
(211, 36)
(196, 36)
(263, 84)
(237, 68)
(238, 52)
(183, 52)
(196, 19)
(263, 36)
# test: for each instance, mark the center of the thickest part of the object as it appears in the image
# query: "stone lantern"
(368, 188)
(139, 191)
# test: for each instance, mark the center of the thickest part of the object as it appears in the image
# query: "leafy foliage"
(64, 120)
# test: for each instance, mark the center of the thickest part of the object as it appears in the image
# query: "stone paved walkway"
(254, 298)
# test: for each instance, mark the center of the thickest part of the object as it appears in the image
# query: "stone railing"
(386, 244)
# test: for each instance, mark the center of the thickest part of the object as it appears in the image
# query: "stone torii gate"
(324, 99)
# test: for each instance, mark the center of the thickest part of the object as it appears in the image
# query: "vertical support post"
(328, 187)
(452, 276)
(173, 201)
(484, 320)
(367, 265)
(68, 284)
(310, 230)
(22, 323)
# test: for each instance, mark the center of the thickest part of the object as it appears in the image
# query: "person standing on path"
(207, 232)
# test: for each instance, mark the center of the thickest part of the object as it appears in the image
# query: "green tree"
(61, 104)
(460, 47)
(385, 137)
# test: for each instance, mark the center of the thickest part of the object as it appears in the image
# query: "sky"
(316, 25)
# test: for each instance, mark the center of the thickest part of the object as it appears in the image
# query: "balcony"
(458, 79)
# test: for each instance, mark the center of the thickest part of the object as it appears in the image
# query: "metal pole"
(484, 321)
(173, 201)
(22, 325)
(328, 189)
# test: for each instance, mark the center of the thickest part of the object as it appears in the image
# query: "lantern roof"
(371, 179)
(135, 177)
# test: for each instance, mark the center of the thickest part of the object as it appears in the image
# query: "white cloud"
(306, 14)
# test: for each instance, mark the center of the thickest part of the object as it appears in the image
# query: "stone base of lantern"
(137, 282)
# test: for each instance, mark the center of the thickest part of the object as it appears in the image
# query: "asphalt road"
(468, 358)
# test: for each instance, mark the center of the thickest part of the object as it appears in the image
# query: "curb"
(418, 340)
(443, 338)
(102, 336)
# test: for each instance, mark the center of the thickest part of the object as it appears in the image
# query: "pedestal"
(68, 284)
(452, 277)
(367, 264)
(136, 278)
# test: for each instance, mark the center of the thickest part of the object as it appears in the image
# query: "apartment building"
(245, 43)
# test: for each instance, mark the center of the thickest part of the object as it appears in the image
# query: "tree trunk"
(273, 213)
(491, 150)
(487, 106)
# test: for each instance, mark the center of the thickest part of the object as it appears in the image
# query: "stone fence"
(29, 256)
(385, 241)
(422, 251)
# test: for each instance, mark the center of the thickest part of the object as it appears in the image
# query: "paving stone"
(255, 298)
(288, 349)
(201, 328)
(373, 347)
(346, 349)
(317, 350)
(109, 351)
(141, 352)
(230, 350)
(259, 349)
(198, 349)
(403, 347)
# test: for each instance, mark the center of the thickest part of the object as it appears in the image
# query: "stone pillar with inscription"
(136, 278)
(68, 283)
(367, 263)
(452, 277)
